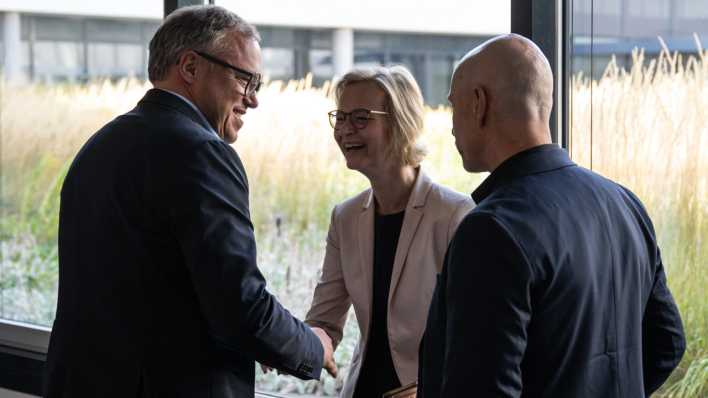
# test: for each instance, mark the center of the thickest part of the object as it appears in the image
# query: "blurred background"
(635, 109)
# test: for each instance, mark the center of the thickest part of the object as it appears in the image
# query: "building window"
(421, 54)
(57, 61)
(116, 60)
(321, 66)
(278, 63)
(441, 67)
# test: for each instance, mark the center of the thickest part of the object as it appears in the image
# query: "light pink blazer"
(432, 215)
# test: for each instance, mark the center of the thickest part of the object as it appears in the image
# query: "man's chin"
(230, 136)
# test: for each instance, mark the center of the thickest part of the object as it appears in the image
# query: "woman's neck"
(393, 188)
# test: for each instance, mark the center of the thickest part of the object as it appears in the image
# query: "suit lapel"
(408, 230)
(366, 254)
(411, 220)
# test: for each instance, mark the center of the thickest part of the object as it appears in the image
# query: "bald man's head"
(502, 91)
(516, 71)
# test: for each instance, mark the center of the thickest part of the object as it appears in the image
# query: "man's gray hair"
(201, 28)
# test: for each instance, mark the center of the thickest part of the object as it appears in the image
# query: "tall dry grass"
(647, 130)
(295, 171)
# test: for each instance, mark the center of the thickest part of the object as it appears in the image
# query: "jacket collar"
(535, 160)
(418, 195)
(172, 101)
(411, 221)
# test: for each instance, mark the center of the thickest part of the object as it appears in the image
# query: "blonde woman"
(386, 244)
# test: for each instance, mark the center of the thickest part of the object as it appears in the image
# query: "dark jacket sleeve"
(488, 311)
(210, 217)
(663, 341)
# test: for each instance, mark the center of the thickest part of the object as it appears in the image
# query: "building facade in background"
(602, 29)
(77, 41)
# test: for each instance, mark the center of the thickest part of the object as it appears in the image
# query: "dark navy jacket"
(553, 286)
(159, 291)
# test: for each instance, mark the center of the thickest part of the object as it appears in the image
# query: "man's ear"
(187, 66)
(480, 105)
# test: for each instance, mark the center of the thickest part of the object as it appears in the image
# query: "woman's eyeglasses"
(359, 118)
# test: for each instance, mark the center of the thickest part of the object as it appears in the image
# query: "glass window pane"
(606, 8)
(25, 62)
(637, 116)
(321, 66)
(366, 59)
(58, 61)
(411, 50)
(113, 31)
(58, 29)
(368, 40)
(148, 31)
(101, 59)
(441, 73)
(276, 37)
(321, 39)
(25, 22)
(115, 60)
(278, 63)
(413, 62)
(289, 215)
(692, 8)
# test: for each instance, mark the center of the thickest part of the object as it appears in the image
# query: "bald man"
(553, 285)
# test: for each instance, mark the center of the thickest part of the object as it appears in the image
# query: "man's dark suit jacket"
(553, 287)
(159, 292)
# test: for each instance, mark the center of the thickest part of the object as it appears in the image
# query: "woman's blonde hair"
(404, 103)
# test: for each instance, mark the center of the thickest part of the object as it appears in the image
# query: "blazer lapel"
(411, 220)
(366, 254)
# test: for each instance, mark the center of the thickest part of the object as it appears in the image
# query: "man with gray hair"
(553, 285)
(159, 291)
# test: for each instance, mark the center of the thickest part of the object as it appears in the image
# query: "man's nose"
(251, 101)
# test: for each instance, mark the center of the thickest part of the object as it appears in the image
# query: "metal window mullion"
(30, 43)
(566, 39)
(543, 21)
(84, 47)
(144, 53)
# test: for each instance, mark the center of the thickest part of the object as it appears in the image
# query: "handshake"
(328, 361)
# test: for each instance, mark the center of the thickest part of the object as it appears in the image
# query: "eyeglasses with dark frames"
(253, 80)
(359, 118)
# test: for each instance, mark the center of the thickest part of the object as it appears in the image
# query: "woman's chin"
(356, 166)
(352, 164)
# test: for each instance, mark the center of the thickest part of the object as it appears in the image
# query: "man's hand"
(328, 362)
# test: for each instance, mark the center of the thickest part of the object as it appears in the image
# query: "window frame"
(532, 19)
(23, 351)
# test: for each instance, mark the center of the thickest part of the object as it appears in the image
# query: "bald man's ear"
(480, 105)
(187, 67)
